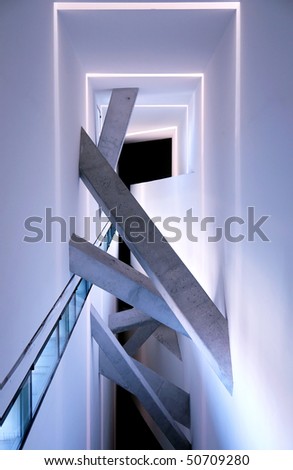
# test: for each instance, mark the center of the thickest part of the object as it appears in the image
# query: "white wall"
(27, 174)
(249, 281)
(42, 110)
(266, 168)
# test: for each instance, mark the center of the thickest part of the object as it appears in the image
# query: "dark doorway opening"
(139, 162)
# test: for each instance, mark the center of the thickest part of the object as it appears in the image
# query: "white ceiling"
(149, 41)
(146, 42)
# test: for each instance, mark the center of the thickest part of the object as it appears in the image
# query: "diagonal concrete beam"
(175, 400)
(139, 337)
(116, 123)
(197, 313)
(127, 320)
(135, 382)
(119, 279)
(168, 338)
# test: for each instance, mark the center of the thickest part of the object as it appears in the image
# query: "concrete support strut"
(175, 400)
(168, 338)
(116, 123)
(127, 320)
(139, 337)
(131, 378)
(197, 313)
(119, 279)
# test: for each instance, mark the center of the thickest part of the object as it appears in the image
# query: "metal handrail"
(32, 340)
(27, 377)
(45, 321)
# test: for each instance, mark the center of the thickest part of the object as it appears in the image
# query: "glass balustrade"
(16, 422)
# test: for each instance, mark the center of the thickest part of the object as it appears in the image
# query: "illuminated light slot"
(86, 104)
(56, 110)
(147, 6)
(161, 106)
(202, 135)
(57, 138)
(237, 113)
(143, 75)
(150, 131)
(187, 140)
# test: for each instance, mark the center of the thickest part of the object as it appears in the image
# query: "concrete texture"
(168, 338)
(139, 337)
(197, 313)
(132, 318)
(127, 319)
(116, 123)
(135, 382)
(175, 400)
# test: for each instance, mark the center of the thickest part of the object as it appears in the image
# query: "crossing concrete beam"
(197, 313)
(168, 338)
(119, 279)
(134, 381)
(127, 320)
(139, 337)
(174, 398)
